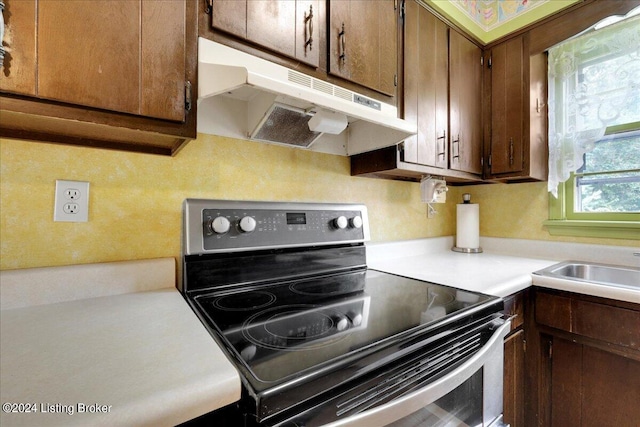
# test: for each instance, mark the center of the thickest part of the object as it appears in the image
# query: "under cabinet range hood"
(243, 96)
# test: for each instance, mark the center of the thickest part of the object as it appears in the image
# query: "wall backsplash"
(136, 199)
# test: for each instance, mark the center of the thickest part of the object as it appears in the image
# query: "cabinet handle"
(343, 45)
(444, 142)
(510, 151)
(456, 143)
(308, 19)
(1, 32)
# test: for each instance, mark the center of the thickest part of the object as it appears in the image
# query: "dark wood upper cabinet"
(103, 73)
(289, 28)
(109, 55)
(517, 137)
(362, 39)
(443, 96)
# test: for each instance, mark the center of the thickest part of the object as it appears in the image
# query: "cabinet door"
(125, 56)
(19, 69)
(507, 106)
(89, 53)
(289, 28)
(465, 104)
(362, 43)
(163, 59)
(514, 370)
(593, 387)
(271, 23)
(230, 16)
(425, 80)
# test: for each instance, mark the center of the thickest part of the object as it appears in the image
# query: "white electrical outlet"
(71, 201)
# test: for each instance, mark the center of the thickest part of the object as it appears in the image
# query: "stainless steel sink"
(605, 274)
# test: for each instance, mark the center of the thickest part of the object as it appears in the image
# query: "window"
(609, 180)
(594, 133)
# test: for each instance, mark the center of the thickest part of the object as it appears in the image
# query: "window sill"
(602, 229)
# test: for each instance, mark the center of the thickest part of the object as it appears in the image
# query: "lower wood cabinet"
(584, 359)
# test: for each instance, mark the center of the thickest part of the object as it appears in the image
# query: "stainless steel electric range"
(320, 339)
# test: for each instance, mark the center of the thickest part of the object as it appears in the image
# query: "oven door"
(471, 395)
(468, 395)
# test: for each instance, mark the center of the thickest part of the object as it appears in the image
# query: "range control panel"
(257, 225)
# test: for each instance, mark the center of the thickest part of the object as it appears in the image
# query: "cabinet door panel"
(364, 43)
(19, 69)
(465, 108)
(230, 16)
(366, 52)
(388, 30)
(507, 98)
(412, 75)
(611, 390)
(163, 59)
(425, 86)
(566, 383)
(433, 106)
(514, 379)
(339, 33)
(101, 71)
(271, 23)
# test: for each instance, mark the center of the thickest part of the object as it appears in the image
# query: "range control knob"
(247, 224)
(219, 225)
(340, 222)
(341, 322)
(355, 222)
(356, 318)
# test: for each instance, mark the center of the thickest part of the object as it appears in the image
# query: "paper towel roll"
(468, 226)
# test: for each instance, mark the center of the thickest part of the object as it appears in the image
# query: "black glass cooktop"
(277, 331)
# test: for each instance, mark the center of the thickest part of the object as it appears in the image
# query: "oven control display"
(297, 218)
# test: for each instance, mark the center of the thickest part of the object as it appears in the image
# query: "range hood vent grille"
(285, 125)
(320, 85)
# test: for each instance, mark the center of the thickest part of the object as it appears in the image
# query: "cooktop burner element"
(247, 301)
(285, 289)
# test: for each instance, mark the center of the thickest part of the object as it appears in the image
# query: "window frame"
(564, 221)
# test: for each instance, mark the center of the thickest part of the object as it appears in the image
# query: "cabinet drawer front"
(611, 324)
(553, 310)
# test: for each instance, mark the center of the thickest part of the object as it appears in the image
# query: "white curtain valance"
(594, 82)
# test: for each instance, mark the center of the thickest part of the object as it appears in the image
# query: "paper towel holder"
(466, 199)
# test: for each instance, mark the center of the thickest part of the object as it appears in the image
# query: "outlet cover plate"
(71, 201)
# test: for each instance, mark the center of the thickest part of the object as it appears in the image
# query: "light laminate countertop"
(130, 359)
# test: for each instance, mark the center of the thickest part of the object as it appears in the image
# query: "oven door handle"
(490, 354)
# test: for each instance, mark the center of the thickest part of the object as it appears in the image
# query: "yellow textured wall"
(136, 199)
(517, 211)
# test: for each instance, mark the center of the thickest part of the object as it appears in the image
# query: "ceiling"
(489, 20)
